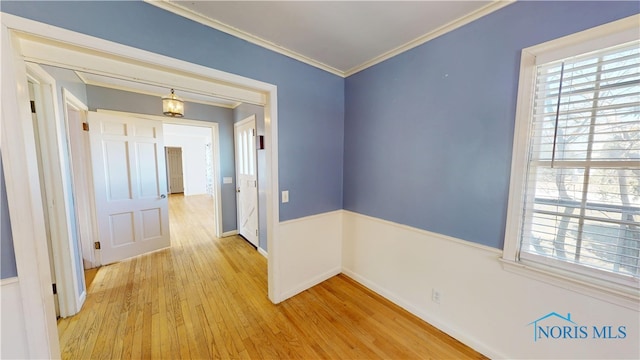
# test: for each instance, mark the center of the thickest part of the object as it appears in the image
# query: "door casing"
(27, 39)
(59, 201)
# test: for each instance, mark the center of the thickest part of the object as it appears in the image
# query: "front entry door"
(130, 185)
(247, 179)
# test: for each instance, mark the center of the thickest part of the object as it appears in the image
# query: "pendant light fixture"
(172, 105)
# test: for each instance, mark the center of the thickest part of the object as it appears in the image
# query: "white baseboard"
(448, 329)
(480, 304)
(262, 252)
(311, 283)
(229, 233)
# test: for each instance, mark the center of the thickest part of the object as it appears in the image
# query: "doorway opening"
(175, 171)
(55, 46)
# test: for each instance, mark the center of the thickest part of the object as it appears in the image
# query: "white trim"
(486, 248)
(405, 266)
(599, 37)
(620, 31)
(151, 93)
(272, 189)
(23, 190)
(180, 10)
(312, 217)
(424, 315)
(519, 157)
(448, 27)
(64, 48)
(585, 285)
(9, 281)
(215, 139)
(25, 204)
(59, 201)
(229, 233)
(262, 252)
(256, 40)
(312, 282)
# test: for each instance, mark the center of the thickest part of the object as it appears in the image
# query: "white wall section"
(193, 141)
(481, 304)
(310, 250)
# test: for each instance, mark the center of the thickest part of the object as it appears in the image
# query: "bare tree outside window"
(583, 189)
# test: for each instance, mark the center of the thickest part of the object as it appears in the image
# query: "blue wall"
(310, 101)
(428, 133)
(425, 137)
(110, 99)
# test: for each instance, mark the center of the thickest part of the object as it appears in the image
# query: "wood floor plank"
(205, 298)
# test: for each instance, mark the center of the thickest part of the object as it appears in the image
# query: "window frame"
(601, 37)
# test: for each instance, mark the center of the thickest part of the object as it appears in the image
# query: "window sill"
(605, 291)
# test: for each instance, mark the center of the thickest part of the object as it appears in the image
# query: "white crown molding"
(87, 81)
(483, 11)
(204, 20)
(207, 21)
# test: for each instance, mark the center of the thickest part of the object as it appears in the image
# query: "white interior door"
(79, 146)
(246, 179)
(130, 184)
(37, 129)
(175, 172)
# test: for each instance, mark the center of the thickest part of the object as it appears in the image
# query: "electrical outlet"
(436, 296)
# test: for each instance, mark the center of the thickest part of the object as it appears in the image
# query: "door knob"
(163, 196)
(238, 190)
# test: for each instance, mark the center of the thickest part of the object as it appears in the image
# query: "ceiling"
(342, 37)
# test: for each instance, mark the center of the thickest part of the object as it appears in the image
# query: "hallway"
(207, 298)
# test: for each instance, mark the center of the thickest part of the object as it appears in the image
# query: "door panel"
(129, 172)
(247, 179)
(174, 163)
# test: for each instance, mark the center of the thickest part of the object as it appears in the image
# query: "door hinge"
(55, 289)
(255, 183)
(256, 232)
(253, 132)
(96, 245)
(85, 126)
(33, 106)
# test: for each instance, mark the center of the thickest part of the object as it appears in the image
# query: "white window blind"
(582, 193)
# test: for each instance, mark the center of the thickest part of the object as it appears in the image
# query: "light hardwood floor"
(206, 298)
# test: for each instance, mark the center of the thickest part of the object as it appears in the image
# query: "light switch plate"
(227, 180)
(285, 196)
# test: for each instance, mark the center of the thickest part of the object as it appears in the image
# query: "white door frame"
(27, 39)
(56, 187)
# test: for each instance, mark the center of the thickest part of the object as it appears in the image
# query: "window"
(574, 205)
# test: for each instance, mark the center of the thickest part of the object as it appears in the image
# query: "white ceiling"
(339, 36)
(342, 37)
